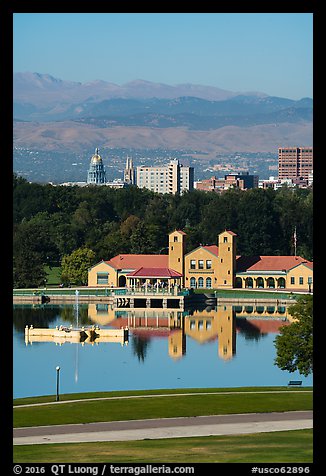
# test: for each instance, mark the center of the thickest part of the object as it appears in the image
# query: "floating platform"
(64, 334)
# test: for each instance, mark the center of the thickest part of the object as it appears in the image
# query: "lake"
(221, 346)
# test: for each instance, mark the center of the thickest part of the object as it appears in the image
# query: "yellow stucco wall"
(226, 260)
(204, 255)
(221, 273)
(301, 275)
(102, 267)
(301, 271)
(177, 251)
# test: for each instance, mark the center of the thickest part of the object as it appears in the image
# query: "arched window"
(208, 283)
(249, 283)
(260, 283)
(192, 282)
(200, 282)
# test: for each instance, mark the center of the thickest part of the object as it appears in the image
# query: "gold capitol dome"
(96, 158)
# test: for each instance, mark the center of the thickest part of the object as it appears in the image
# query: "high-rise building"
(172, 178)
(295, 162)
(96, 172)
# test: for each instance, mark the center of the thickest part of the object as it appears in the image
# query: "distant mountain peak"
(43, 97)
(33, 88)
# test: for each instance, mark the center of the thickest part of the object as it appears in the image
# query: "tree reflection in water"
(140, 346)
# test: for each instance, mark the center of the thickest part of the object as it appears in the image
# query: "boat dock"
(89, 335)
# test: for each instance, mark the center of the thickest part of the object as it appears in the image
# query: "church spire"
(129, 172)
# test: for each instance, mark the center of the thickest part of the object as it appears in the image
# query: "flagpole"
(295, 240)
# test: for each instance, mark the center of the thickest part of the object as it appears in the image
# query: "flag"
(295, 241)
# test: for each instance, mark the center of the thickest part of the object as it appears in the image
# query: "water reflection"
(218, 324)
(168, 348)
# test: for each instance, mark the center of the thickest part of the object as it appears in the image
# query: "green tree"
(75, 266)
(294, 344)
(28, 266)
(139, 240)
(257, 222)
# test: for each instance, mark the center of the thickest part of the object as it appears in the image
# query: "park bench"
(295, 383)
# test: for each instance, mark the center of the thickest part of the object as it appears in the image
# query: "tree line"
(52, 223)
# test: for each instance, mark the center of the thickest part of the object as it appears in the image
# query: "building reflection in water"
(220, 323)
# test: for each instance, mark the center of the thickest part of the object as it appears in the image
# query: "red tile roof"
(269, 263)
(155, 273)
(212, 248)
(133, 261)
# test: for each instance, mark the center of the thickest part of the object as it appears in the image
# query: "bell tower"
(177, 242)
(226, 259)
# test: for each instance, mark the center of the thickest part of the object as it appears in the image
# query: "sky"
(266, 52)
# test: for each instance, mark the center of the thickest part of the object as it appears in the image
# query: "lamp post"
(58, 370)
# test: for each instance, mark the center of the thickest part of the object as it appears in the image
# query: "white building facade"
(172, 178)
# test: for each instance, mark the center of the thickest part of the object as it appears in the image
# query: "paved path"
(165, 428)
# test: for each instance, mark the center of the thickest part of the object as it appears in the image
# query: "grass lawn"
(216, 402)
(276, 447)
(283, 447)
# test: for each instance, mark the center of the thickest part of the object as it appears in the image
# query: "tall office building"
(96, 172)
(172, 178)
(295, 162)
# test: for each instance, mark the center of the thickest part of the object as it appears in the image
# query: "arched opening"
(249, 283)
(281, 283)
(270, 282)
(122, 281)
(249, 309)
(238, 282)
(192, 282)
(260, 283)
(237, 309)
(200, 282)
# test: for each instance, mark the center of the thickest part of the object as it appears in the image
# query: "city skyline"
(233, 51)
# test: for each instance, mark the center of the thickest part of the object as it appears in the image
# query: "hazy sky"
(267, 52)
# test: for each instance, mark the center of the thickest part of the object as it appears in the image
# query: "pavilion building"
(205, 267)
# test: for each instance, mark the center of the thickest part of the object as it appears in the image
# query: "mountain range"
(102, 111)
(44, 88)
